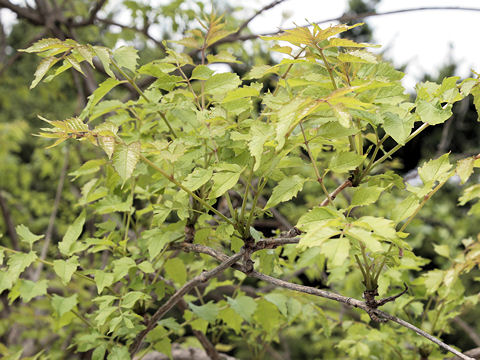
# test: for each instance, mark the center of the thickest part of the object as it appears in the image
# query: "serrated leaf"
(103, 54)
(98, 95)
(197, 178)
(26, 235)
(343, 162)
(201, 72)
(42, 69)
(336, 251)
(103, 279)
(399, 129)
(75, 64)
(260, 133)
(126, 56)
(442, 250)
(342, 114)
(125, 159)
(433, 279)
(405, 208)
(244, 306)
(65, 269)
(61, 305)
(18, 262)
(208, 311)
(435, 170)
(465, 169)
(222, 83)
(130, 299)
(29, 289)
(222, 182)
(175, 269)
(433, 114)
(366, 195)
(71, 236)
(285, 190)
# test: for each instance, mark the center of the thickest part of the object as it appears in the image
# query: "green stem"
(245, 196)
(189, 192)
(142, 94)
(327, 65)
(254, 205)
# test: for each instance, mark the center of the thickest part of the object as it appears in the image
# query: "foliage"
(181, 178)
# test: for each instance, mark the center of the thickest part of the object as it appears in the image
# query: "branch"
(325, 294)
(265, 8)
(23, 12)
(93, 14)
(175, 298)
(7, 218)
(53, 215)
(334, 193)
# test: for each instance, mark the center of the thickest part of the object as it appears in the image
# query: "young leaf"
(465, 168)
(366, 195)
(66, 246)
(197, 178)
(435, 170)
(343, 162)
(222, 182)
(65, 269)
(285, 190)
(18, 262)
(222, 83)
(125, 159)
(42, 69)
(399, 129)
(126, 56)
(103, 279)
(29, 289)
(433, 114)
(26, 235)
(244, 306)
(98, 94)
(336, 250)
(208, 311)
(61, 305)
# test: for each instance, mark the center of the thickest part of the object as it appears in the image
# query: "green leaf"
(222, 182)
(398, 128)
(208, 311)
(279, 300)
(201, 72)
(442, 250)
(406, 208)
(436, 170)
(103, 54)
(119, 352)
(267, 316)
(336, 250)
(18, 262)
(243, 92)
(433, 279)
(126, 57)
(125, 159)
(465, 169)
(66, 246)
(317, 234)
(29, 289)
(231, 319)
(285, 190)
(26, 235)
(65, 269)
(343, 162)
(156, 240)
(130, 299)
(244, 306)
(433, 114)
(61, 305)
(342, 114)
(103, 280)
(102, 90)
(366, 195)
(175, 269)
(197, 178)
(121, 267)
(222, 83)
(42, 69)
(260, 132)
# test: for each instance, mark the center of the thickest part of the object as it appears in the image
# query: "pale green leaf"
(71, 236)
(102, 90)
(29, 289)
(244, 306)
(342, 114)
(103, 54)
(125, 159)
(366, 195)
(222, 83)
(222, 182)
(433, 114)
(197, 178)
(260, 132)
(398, 128)
(343, 162)
(435, 170)
(65, 269)
(405, 208)
(61, 305)
(130, 299)
(433, 279)
(42, 69)
(208, 311)
(336, 251)
(102, 280)
(26, 235)
(18, 262)
(175, 269)
(201, 72)
(126, 57)
(442, 250)
(465, 168)
(285, 190)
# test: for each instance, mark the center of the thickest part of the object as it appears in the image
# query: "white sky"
(421, 39)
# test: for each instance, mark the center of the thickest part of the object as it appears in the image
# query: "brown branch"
(327, 295)
(53, 215)
(334, 193)
(92, 16)
(175, 298)
(474, 353)
(23, 12)
(265, 8)
(7, 218)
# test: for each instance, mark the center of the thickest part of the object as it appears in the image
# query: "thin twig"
(175, 298)
(265, 8)
(334, 193)
(92, 16)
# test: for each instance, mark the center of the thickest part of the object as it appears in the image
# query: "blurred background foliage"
(29, 175)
